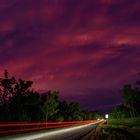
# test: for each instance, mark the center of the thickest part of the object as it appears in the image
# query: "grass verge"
(122, 129)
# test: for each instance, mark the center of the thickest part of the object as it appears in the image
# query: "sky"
(86, 49)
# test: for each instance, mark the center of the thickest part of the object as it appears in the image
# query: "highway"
(67, 133)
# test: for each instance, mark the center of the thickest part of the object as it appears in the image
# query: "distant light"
(106, 116)
(98, 119)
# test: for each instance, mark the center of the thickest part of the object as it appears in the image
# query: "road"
(70, 133)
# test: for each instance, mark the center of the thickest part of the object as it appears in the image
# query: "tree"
(17, 100)
(7, 86)
(25, 107)
(49, 104)
(131, 99)
(74, 111)
(120, 112)
(91, 115)
(97, 115)
(130, 106)
(70, 111)
(20, 103)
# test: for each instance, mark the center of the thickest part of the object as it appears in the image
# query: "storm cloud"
(72, 45)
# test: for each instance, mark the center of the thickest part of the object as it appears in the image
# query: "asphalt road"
(70, 133)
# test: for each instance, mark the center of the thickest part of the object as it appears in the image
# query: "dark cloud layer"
(72, 46)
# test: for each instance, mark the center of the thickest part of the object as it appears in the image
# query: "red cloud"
(70, 44)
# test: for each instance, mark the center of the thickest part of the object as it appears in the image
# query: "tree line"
(130, 106)
(20, 103)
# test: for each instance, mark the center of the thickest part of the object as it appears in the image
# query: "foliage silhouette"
(20, 103)
(130, 107)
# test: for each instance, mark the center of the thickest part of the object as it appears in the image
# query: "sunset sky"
(86, 49)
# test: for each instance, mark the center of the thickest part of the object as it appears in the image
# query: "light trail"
(31, 124)
(54, 133)
(31, 129)
(42, 123)
(57, 125)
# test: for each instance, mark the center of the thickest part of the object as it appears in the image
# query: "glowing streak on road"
(53, 133)
(42, 123)
(58, 125)
(33, 124)
(31, 129)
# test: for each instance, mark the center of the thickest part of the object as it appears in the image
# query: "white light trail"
(52, 133)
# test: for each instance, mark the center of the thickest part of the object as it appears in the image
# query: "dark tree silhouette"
(16, 99)
(50, 104)
(130, 107)
(20, 103)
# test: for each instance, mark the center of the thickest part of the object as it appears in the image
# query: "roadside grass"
(125, 122)
(122, 129)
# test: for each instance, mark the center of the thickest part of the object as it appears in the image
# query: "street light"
(106, 116)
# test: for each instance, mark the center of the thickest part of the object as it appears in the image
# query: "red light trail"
(39, 124)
